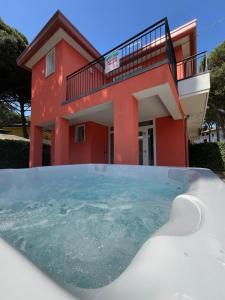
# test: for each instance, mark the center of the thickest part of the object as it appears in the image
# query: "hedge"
(15, 154)
(208, 155)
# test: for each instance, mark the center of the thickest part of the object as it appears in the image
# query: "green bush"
(207, 155)
(15, 154)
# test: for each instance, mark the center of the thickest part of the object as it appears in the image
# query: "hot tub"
(112, 232)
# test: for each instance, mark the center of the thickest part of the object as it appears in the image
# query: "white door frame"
(144, 138)
(145, 148)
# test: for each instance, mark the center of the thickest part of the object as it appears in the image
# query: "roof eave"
(57, 21)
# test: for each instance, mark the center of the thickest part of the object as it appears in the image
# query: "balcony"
(146, 50)
(192, 66)
(193, 87)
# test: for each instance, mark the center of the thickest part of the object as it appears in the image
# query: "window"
(80, 134)
(50, 62)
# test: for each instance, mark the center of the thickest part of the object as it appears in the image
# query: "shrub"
(15, 154)
(208, 155)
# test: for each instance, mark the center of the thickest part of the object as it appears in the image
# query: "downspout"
(186, 142)
(217, 133)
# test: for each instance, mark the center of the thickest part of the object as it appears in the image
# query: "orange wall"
(179, 57)
(178, 53)
(170, 142)
(123, 89)
(126, 130)
(95, 147)
(48, 93)
(120, 95)
(100, 143)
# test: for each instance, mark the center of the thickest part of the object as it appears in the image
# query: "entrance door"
(146, 147)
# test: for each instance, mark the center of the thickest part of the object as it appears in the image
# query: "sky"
(108, 23)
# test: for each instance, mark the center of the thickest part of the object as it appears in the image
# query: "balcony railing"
(150, 48)
(192, 66)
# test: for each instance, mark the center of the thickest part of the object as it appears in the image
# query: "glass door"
(146, 145)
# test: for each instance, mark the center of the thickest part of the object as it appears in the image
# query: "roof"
(12, 137)
(187, 29)
(15, 125)
(57, 21)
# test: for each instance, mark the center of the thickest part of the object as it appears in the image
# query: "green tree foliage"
(15, 154)
(216, 110)
(14, 82)
(207, 155)
(7, 116)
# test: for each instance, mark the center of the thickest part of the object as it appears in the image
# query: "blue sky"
(108, 23)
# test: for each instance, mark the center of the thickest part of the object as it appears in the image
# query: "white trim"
(183, 26)
(145, 144)
(47, 72)
(167, 96)
(59, 35)
(146, 127)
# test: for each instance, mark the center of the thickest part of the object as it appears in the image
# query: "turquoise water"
(84, 230)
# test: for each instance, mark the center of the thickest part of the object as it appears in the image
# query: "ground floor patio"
(101, 136)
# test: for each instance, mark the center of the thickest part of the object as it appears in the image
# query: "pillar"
(126, 130)
(61, 145)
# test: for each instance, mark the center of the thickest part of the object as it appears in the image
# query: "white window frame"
(76, 134)
(47, 72)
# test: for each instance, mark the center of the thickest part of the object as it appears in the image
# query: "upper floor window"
(50, 62)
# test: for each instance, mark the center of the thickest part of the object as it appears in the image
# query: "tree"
(216, 103)
(7, 116)
(14, 82)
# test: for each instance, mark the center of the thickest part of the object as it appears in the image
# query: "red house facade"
(137, 104)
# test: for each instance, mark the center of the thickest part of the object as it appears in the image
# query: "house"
(17, 130)
(137, 104)
(210, 136)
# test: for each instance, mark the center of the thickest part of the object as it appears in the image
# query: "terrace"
(147, 50)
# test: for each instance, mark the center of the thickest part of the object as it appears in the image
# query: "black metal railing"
(151, 47)
(192, 66)
(171, 53)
